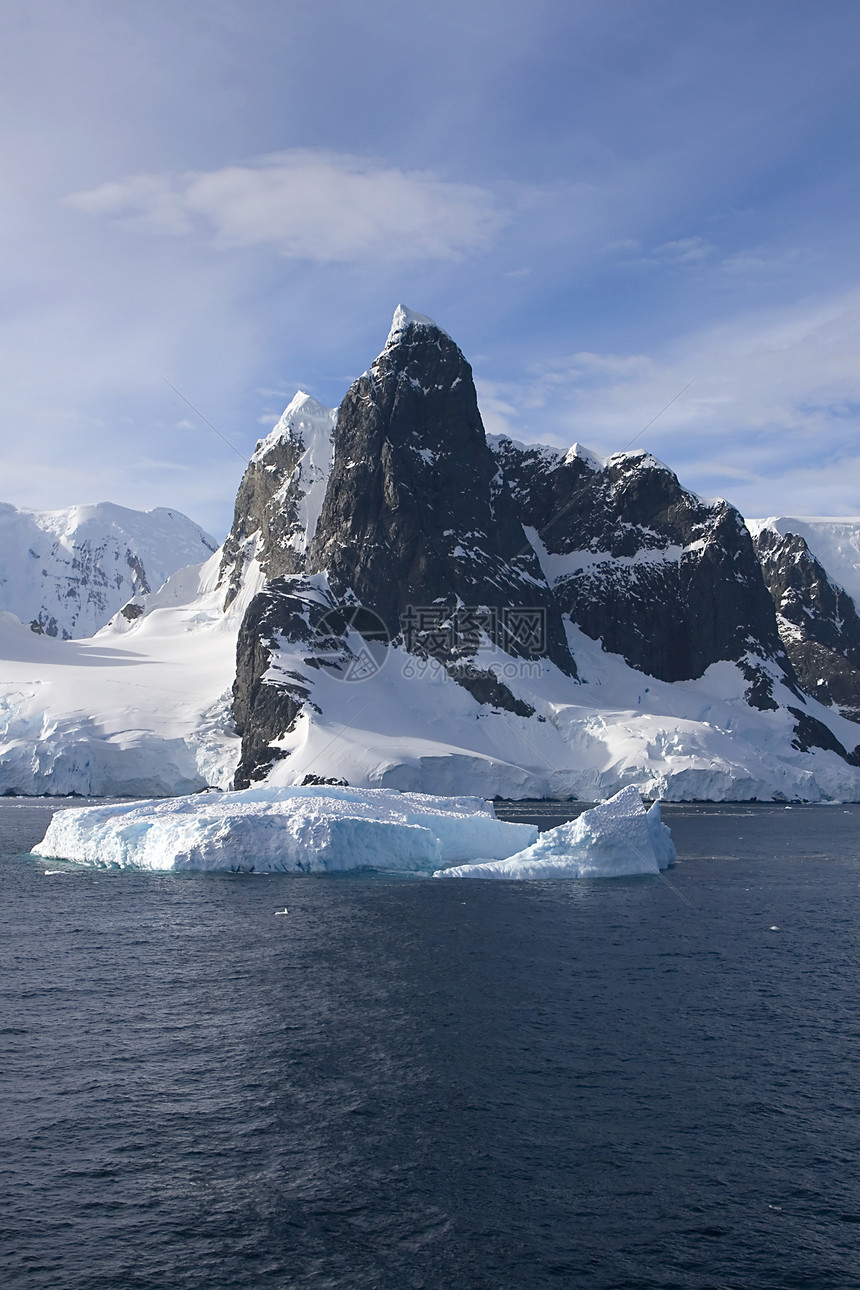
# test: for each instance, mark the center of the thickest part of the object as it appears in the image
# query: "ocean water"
(625, 1085)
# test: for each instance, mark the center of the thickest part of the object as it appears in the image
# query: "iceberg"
(312, 829)
(616, 839)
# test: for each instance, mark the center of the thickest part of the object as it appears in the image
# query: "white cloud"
(307, 205)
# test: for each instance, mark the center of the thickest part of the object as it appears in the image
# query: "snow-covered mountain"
(67, 572)
(402, 604)
(812, 570)
(465, 557)
(834, 542)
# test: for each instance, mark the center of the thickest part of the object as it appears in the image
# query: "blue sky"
(600, 201)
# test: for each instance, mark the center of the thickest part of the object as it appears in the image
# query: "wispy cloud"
(685, 250)
(680, 253)
(307, 205)
(774, 407)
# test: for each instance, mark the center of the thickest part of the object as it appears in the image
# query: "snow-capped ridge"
(578, 452)
(834, 540)
(545, 450)
(281, 495)
(303, 418)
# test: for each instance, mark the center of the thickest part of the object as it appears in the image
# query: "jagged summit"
(817, 619)
(302, 414)
(832, 539)
(415, 514)
(280, 496)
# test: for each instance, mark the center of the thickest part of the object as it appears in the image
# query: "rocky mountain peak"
(281, 494)
(817, 619)
(417, 513)
(301, 419)
(432, 543)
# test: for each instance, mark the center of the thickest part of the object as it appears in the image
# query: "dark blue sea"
(634, 1084)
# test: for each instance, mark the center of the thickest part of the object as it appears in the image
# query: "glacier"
(617, 839)
(140, 709)
(318, 829)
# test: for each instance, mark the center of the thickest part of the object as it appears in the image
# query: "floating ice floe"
(262, 830)
(616, 839)
(325, 828)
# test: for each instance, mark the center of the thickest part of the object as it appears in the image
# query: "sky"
(624, 212)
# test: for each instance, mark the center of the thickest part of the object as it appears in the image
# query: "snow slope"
(69, 571)
(141, 708)
(408, 725)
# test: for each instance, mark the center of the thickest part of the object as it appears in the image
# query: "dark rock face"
(818, 621)
(265, 707)
(47, 625)
(668, 581)
(809, 733)
(418, 519)
(267, 698)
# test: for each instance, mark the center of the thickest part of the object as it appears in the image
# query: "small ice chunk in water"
(613, 840)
